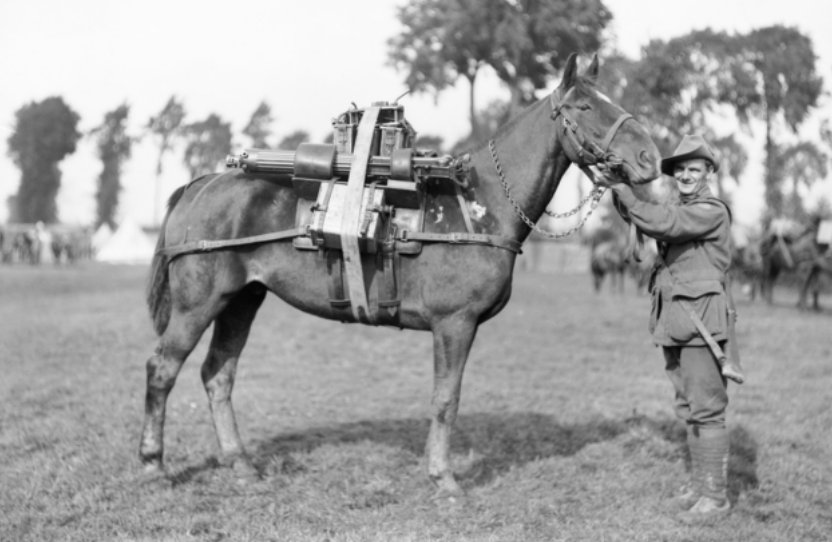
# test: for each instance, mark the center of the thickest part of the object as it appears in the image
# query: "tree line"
(675, 86)
(46, 132)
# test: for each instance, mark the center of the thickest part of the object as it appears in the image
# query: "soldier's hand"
(606, 178)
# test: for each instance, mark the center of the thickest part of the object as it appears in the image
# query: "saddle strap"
(174, 251)
(461, 239)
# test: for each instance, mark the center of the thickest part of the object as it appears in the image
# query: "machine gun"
(371, 170)
(392, 163)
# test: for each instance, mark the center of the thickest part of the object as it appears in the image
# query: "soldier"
(690, 313)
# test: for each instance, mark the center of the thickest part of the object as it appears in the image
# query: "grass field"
(565, 429)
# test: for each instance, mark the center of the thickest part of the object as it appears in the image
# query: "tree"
(258, 127)
(782, 60)
(524, 41)
(291, 141)
(43, 135)
(165, 126)
(734, 160)
(802, 163)
(538, 36)
(208, 144)
(675, 84)
(768, 73)
(114, 146)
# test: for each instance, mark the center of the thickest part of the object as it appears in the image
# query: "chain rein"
(598, 156)
(594, 197)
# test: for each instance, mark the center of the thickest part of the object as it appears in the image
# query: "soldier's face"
(690, 175)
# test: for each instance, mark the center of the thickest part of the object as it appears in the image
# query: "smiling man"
(690, 313)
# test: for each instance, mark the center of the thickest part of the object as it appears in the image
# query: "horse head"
(593, 131)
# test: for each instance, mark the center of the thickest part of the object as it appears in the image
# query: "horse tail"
(158, 292)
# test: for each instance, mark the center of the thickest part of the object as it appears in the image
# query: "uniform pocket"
(707, 300)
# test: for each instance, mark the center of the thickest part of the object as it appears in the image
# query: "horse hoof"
(246, 472)
(155, 475)
(449, 491)
(153, 468)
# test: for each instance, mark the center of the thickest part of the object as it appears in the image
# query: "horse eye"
(584, 107)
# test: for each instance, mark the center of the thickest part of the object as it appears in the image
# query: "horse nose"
(649, 162)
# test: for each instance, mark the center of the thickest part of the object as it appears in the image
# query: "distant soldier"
(690, 317)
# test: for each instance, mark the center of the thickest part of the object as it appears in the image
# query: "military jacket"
(694, 238)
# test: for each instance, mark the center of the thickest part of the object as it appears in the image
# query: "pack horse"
(369, 230)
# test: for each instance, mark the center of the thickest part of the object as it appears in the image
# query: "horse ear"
(570, 72)
(592, 71)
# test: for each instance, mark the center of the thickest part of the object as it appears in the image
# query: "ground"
(565, 429)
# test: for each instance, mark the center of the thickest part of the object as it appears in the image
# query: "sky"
(309, 60)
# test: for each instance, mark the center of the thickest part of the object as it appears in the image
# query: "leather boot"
(711, 445)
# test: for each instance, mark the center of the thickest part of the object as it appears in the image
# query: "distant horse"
(447, 289)
(62, 249)
(25, 246)
(642, 268)
(747, 269)
(608, 256)
(796, 254)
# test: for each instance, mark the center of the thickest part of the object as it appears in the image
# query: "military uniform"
(695, 250)
(694, 240)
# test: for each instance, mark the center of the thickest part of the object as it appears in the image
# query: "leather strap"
(192, 247)
(463, 208)
(703, 331)
(351, 217)
(461, 239)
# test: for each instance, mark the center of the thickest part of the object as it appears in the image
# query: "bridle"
(581, 151)
(584, 152)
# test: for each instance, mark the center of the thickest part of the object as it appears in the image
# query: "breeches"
(701, 392)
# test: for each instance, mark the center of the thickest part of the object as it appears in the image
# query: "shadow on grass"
(500, 441)
(742, 462)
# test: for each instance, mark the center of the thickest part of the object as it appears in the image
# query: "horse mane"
(582, 84)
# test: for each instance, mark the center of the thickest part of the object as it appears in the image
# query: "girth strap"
(172, 252)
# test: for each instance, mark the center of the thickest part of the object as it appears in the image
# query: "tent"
(127, 245)
(101, 236)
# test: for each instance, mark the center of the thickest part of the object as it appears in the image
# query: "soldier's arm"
(672, 223)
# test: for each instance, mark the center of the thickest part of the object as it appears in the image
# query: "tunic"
(695, 247)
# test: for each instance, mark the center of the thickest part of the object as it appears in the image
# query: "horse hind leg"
(179, 338)
(231, 329)
(451, 343)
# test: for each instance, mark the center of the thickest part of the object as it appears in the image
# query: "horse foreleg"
(178, 340)
(451, 343)
(809, 283)
(231, 329)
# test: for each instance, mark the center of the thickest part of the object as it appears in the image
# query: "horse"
(797, 254)
(608, 256)
(448, 289)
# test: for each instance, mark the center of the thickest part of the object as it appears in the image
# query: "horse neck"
(533, 163)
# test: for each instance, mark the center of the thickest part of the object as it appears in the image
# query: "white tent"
(101, 236)
(127, 245)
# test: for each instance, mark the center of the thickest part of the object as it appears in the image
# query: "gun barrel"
(282, 162)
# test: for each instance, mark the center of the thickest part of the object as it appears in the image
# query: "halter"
(587, 152)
